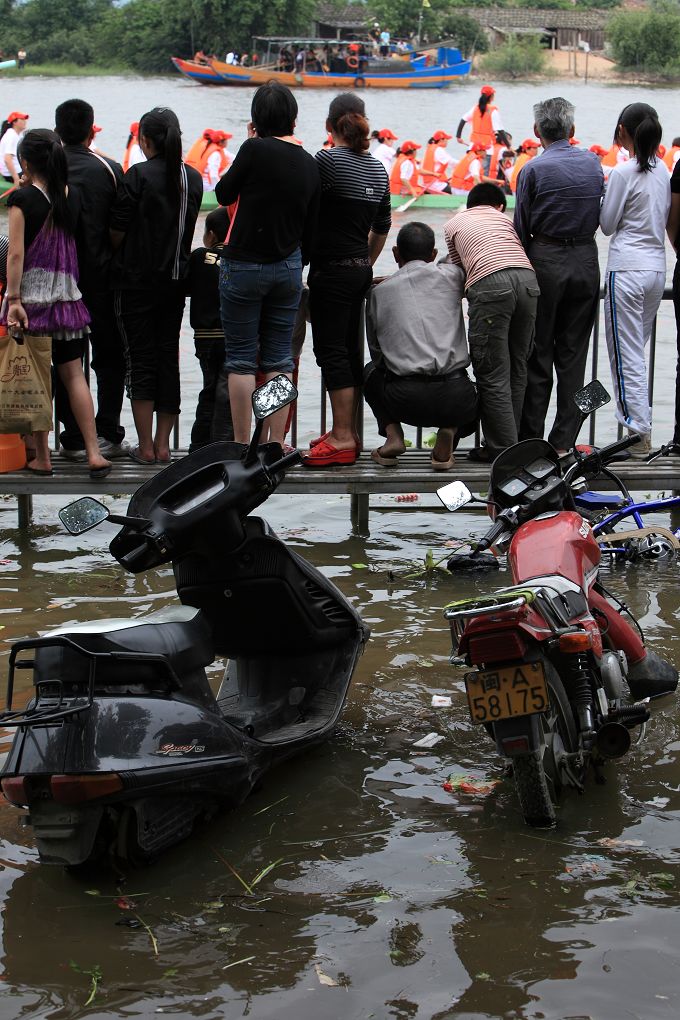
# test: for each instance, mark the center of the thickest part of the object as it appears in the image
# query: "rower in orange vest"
(527, 150)
(468, 171)
(672, 155)
(437, 164)
(484, 119)
(616, 154)
(208, 155)
(404, 173)
(501, 144)
(133, 152)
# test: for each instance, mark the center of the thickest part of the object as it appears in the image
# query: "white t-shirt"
(8, 147)
(634, 211)
(136, 154)
(386, 154)
(211, 174)
(443, 160)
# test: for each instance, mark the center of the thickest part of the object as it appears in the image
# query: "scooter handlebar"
(492, 535)
(290, 460)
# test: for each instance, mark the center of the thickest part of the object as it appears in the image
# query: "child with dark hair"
(152, 225)
(213, 417)
(42, 296)
(635, 211)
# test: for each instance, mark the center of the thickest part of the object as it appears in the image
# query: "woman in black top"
(152, 225)
(273, 188)
(354, 221)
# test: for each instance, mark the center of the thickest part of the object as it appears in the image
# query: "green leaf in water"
(360, 566)
(170, 972)
(382, 898)
(92, 892)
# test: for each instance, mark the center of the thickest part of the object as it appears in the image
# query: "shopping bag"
(25, 384)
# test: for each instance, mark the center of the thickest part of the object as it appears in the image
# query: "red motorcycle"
(555, 658)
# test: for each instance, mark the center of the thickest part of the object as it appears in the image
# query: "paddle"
(407, 205)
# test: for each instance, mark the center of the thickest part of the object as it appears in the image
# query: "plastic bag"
(25, 384)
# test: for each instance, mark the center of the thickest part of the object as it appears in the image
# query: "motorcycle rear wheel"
(538, 774)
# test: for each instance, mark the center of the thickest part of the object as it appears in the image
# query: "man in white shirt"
(9, 164)
(419, 354)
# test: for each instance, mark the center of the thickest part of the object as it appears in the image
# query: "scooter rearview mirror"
(83, 515)
(454, 495)
(591, 397)
(274, 395)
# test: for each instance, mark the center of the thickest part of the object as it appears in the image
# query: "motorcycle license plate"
(507, 692)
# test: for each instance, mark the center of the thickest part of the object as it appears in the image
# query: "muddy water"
(389, 896)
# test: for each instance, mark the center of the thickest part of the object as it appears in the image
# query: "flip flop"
(324, 455)
(101, 472)
(133, 454)
(378, 458)
(442, 465)
(40, 472)
(324, 438)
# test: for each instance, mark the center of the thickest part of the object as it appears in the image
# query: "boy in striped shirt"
(502, 294)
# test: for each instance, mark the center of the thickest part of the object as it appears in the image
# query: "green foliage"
(468, 35)
(516, 58)
(647, 40)
(548, 5)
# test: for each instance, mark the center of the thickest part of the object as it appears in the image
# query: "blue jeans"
(258, 305)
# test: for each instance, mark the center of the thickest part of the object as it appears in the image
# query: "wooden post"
(359, 509)
(25, 510)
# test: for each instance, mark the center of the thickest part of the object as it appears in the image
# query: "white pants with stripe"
(632, 299)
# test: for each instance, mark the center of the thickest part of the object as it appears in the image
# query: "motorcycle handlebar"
(600, 457)
(492, 535)
(290, 460)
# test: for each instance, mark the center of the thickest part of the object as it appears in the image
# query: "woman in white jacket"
(635, 211)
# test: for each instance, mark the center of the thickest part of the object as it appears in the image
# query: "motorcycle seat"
(180, 633)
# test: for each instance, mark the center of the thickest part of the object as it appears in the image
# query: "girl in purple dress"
(42, 296)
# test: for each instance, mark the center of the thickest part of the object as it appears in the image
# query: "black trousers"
(336, 295)
(444, 401)
(213, 413)
(150, 321)
(569, 280)
(108, 363)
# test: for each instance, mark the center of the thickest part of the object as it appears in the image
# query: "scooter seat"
(181, 634)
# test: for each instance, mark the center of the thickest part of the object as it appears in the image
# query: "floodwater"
(387, 897)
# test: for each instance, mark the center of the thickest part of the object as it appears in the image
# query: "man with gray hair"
(557, 212)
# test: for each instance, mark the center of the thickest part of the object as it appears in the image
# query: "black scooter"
(123, 745)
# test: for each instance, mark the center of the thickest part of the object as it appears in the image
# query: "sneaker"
(641, 450)
(110, 450)
(79, 455)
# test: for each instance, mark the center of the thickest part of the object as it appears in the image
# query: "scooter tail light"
(500, 644)
(76, 789)
(14, 790)
(575, 641)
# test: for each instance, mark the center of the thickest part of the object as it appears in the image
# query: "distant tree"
(516, 58)
(467, 33)
(647, 40)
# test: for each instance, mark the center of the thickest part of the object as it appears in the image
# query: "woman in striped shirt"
(354, 221)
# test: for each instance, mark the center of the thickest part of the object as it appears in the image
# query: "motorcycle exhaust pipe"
(613, 740)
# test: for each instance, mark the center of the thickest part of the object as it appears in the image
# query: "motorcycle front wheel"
(539, 774)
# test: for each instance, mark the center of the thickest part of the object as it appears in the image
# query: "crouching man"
(419, 354)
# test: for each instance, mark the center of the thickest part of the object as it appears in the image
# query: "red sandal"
(324, 455)
(324, 438)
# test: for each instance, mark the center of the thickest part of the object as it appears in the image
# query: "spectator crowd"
(101, 254)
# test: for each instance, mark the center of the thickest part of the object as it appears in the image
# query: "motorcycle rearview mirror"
(83, 515)
(266, 400)
(591, 397)
(87, 513)
(455, 495)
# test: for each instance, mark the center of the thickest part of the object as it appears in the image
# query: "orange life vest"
(612, 157)
(495, 160)
(429, 164)
(669, 158)
(197, 155)
(126, 157)
(396, 182)
(482, 126)
(460, 178)
(521, 160)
